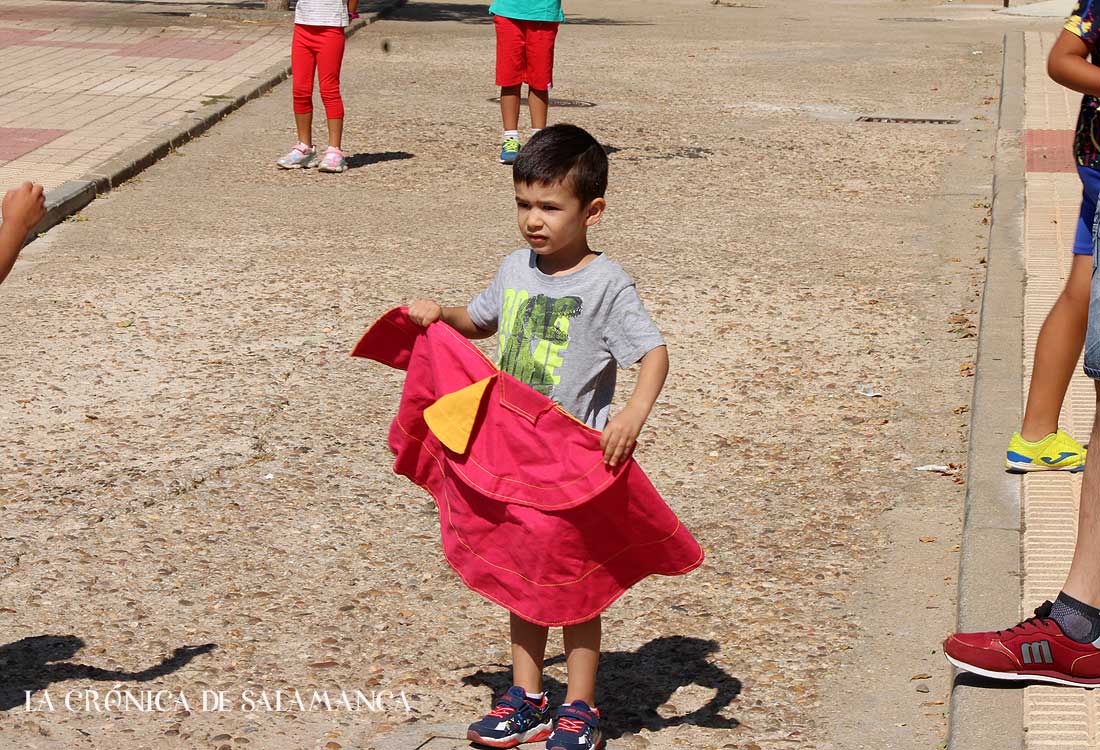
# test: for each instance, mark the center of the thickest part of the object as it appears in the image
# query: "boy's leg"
(1057, 351)
(528, 652)
(582, 658)
(539, 45)
(510, 64)
(509, 106)
(1040, 445)
(1083, 581)
(538, 103)
(522, 713)
(1062, 642)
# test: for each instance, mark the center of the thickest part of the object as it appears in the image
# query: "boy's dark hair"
(566, 154)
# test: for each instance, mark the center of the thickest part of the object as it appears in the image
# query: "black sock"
(1078, 620)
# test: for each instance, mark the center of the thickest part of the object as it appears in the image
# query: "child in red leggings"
(318, 45)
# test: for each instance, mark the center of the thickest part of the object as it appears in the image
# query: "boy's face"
(552, 218)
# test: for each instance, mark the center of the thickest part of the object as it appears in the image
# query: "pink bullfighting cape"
(531, 516)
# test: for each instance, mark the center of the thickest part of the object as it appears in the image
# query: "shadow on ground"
(362, 160)
(34, 663)
(479, 13)
(638, 683)
(967, 679)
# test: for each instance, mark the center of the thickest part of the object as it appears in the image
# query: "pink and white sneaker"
(300, 157)
(334, 160)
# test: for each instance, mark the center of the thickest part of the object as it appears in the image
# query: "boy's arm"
(425, 312)
(1068, 64)
(622, 431)
(22, 209)
(459, 319)
(353, 8)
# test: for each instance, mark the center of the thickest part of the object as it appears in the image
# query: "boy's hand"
(424, 312)
(23, 208)
(620, 435)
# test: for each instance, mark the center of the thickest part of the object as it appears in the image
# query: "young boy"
(565, 316)
(526, 30)
(23, 208)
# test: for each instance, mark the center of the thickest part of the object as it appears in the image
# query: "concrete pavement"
(197, 463)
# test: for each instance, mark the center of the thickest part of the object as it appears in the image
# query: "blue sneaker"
(509, 150)
(577, 727)
(513, 720)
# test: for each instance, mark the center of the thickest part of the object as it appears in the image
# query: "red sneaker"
(1036, 649)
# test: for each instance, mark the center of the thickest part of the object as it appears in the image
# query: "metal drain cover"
(554, 102)
(911, 120)
(653, 153)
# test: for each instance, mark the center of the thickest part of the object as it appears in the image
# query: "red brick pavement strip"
(186, 48)
(14, 142)
(1049, 151)
(74, 195)
(13, 37)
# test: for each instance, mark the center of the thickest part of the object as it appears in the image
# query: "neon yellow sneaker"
(1056, 452)
(509, 150)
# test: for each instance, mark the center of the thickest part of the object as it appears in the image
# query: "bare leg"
(509, 106)
(1057, 351)
(582, 658)
(335, 131)
(538, 102)
(1083, 581)
(528, 652)
(304, 121)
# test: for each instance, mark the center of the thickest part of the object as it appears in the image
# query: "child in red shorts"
(526, 30)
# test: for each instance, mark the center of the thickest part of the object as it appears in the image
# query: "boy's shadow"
(35, 663)
(640, 682)
(362, 160)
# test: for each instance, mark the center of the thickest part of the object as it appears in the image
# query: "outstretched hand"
(24, 207)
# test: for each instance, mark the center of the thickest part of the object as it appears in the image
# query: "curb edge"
(990, 571)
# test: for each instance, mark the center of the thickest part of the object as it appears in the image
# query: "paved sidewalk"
(83, 83)
(196, 462)
(80, 83)
(1054, 717)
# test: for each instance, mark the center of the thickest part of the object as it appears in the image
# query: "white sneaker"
(300, 157)
(334, 160)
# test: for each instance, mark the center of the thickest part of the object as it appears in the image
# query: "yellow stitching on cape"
(595, 466)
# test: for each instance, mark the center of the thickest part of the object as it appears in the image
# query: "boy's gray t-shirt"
(563, 335)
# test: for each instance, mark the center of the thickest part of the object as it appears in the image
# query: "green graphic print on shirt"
(534, 331)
